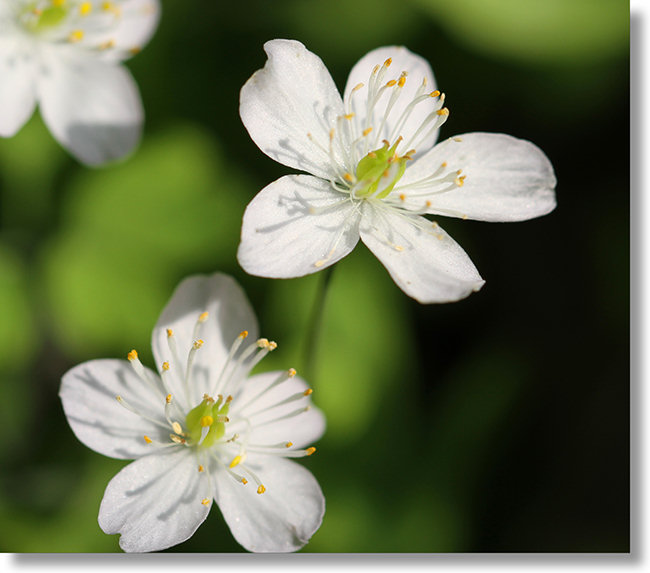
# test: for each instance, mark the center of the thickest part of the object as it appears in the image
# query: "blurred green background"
(498, 423)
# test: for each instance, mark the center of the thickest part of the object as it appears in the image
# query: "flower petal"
(88, 393)
(281, 519)
(506, 179)
(295, 226)
(229, 313)
(264, 416)
(17, 88)
(425, 262)
(418, 70)
(91, 107)
(288, 101)
(136, 24)
(156, 501)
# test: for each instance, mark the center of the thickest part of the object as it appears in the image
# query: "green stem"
(314, 325)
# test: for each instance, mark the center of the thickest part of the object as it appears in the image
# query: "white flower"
(65, 55)
(375, 172)
(201, 429)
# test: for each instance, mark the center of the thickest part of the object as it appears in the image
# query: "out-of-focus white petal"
(229, 313)
(88, 393)
(418, 70)
(506, 179)
(92, 107)
(425, 262)
(263, 415)
(281, 519)
(291, 104)
(156, 501)
(17, 85)
(295, 226)
(136, 24)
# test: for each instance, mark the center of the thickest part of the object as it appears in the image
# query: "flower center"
(206, 423)
(379, 171)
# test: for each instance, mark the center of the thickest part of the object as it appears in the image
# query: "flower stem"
(314, 325)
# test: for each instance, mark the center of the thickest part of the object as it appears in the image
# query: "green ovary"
(42, 19)
(379, 171)
(205, 416)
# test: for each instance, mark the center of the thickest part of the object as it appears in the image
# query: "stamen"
(205, 501)
(282, 378)
(75, 36)
(261, 489)
(85, 8)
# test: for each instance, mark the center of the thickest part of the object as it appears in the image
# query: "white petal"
(507, 179)
(263, 415)
(17, 86)
(88, 392)
(291, 97)
(229, 313)
(425, 262)
(134, 28)
(295, 226)
(418, 70)
(91, 107)
(281, 519)
(155, 502)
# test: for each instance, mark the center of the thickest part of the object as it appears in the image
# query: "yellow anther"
(177, 428)
(228, 399)
(135, 50)
(443, 111)
(170, 332)
(357, 87)
(288, 444)
(391, 83)
(458, 139)
(168, 399)
(203, 316)
(332, 131)
(348, 116)
(440, 237)
(197, 344)
(291, 372)
(133, 355)
(464, 217)
(460, 181)
(235, 461)
(206, 421)
(58, 3)
(309, 451)
(261, 489)
(443, 164)
(434, 93)
(205, 501)
(399, 248)
(401, 81)
(244, 481)
(177, 439)
(307, 392)
(273, 345)
(165, 367)
(76, 36)
(388, 62)
(348, 177)
(366, 131)
(402, 197)
(147, 439)
(375, 69)
(85, 8)
(243, 334)
(201, 468)
(428, 203)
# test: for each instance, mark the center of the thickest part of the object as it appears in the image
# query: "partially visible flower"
(201, 429)
(375, 172)
(65, 55)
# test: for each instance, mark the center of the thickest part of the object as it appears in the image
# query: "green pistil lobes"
(206, 423)
(379, 171)
(39, 19)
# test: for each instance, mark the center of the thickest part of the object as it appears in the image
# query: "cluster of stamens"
(88, 23)
(209, 427)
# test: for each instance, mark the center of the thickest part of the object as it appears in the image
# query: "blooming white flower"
(375, 172)
(65, 55)
(201, 429)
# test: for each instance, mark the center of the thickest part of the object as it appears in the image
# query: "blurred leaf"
(365, 347)
(540, 31)
(132, 232)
